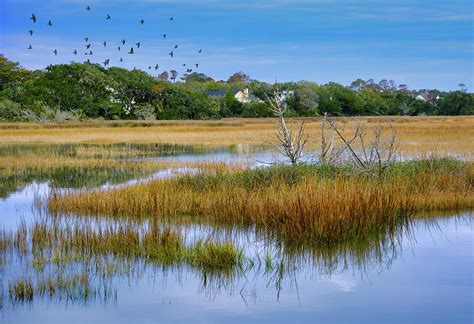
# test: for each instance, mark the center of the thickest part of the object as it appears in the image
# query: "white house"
(242, 96)
(427, 97)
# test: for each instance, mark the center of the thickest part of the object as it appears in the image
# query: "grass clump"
(211, 256)
(21, 290)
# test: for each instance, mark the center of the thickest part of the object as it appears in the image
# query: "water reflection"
(420, 272)
(270, 269)
(82, 165)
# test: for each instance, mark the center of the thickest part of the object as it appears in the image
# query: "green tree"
(256, 110)
(174, 75)
(373, 103)
(11, 73)
(179, 103)
(358, 84)
(462, 87)
(304, 100)
(164, 76)
(76, 87)
(338, 99)
(457, 103)
(131, 88)
(239, 77)
(232, 104)
(196, 77)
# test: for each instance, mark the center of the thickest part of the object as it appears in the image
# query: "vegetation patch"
(319, 203)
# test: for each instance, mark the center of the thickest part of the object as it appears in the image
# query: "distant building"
(427, 97)
(242, 96)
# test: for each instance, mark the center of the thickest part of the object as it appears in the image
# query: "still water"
(424, 274)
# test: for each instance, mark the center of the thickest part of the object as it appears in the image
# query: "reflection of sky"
(431, 282)
(345, 285)
(18, 206)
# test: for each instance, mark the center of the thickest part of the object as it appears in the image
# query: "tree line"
(89, 91)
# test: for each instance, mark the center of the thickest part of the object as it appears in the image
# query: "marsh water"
(421, 273)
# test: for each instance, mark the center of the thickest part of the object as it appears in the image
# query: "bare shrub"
(289, 143)
(370, 155)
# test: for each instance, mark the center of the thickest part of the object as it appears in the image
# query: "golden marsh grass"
(303, 202)
(417, 135)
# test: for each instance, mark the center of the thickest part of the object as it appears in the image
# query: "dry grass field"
(417, 135)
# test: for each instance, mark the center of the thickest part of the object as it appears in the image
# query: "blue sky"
(422, 43)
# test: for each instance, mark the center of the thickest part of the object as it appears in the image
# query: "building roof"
(220, 93)
(253, 97)
(427, 96)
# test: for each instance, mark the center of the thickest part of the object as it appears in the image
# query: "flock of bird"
(88, 50)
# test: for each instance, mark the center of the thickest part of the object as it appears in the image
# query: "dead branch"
(374, 158)
(286, 142)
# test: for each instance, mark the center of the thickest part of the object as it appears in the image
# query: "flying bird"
(104, 43)
(123, 42)
(88, 61)
(171, 54)
(55, 52)
(30, 47)
(88, 8)
(142, 22)
(88, 46)
(106, 62)
(30, 32)
(171, 18)
(197, 65)
(50, 23)
(156, 67)
(131, 51)
(149, 67)
(33, 17)
(75, 52)
(184, 64)
(176, 46)
(121, 59)
(119, 48)
(90, 53)
(200, 51)
(108, 17)
(138, 44)
(87, 39)
(164, 36)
